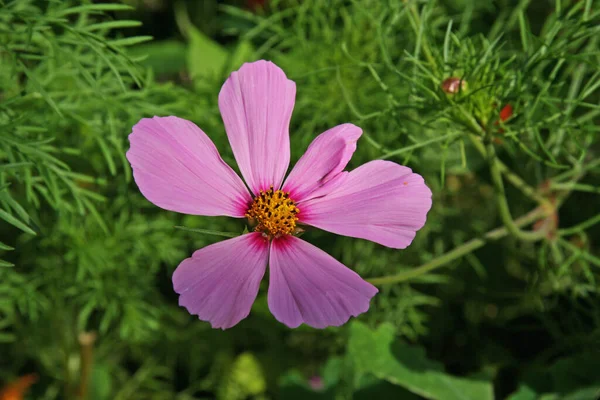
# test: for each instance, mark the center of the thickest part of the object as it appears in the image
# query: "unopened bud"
(16, 390)
(506, 112)
(453, 85)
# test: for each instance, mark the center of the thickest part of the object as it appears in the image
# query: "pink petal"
(379, 201)
(324, 159)
(256, 103)
(178, 168)
(308, 285)
(220, 282)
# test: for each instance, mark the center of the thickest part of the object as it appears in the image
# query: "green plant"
(498, 294)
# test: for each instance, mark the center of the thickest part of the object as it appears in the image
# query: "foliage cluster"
(497, 297)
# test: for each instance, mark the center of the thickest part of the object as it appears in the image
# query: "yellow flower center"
(273, 212)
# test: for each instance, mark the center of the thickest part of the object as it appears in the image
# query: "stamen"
(274, 213)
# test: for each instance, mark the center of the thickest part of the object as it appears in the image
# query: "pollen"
(273, 212)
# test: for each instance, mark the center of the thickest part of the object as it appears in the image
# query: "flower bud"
(256, 4)
(17, 389)
(453, 85)
(506, 112)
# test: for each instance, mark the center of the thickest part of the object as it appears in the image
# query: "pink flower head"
(178, 168)
(316, 383)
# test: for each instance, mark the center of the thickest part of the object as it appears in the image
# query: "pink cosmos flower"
(178, 168)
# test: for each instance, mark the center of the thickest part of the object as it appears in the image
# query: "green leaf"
(6, 247)
(206, 58)
(164, 57)
(101, 383)
(7, 337)
(243, 53)
(15, 165)
(119, 24)
(130, 41)
(376, 352)
(95, 8)
(332, 371)
(573, 377)
(570, 374)
(294, 386)
(590, 393)
(383, 390)
(245, 378)
(524, 393)
(15, 222)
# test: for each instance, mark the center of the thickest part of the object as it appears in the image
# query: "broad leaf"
(377, 352)
(206, 59)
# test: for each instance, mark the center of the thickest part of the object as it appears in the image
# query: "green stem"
(578, 187)
(415, 146)
(86, 343)
(182, 19)
(473, 244)
(459, 251)
(580, 253)
(513, 178)
(416, 23)
(503, 207)
(580, 227)
(578, 170)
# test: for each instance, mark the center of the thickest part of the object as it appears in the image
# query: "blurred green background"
(497, 297)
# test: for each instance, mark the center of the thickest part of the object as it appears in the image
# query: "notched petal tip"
(220, 282)
(178, 168)
(379, 201)
(261, 65)
(256, 103)
(309, 286)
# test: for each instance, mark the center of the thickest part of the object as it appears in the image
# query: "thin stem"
(578, 187)
(513, 178)
(415, 146)
(503, 207)
(459, 251)
(474, 244)
(577, 171)
(182, 19)
(580, 227)
(416, 23)
(583, 254)
(86, 343)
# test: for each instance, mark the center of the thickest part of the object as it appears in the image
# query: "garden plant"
(439, 237)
